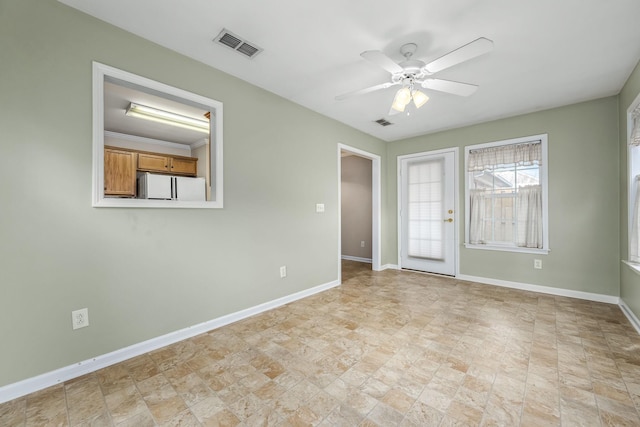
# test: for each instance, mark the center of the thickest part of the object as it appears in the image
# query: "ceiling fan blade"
(456, 88)
(469, 51)
(382, 60)
(365, 90)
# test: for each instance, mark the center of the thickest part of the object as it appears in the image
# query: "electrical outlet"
(537, 263)
(362, 244)
(283, 271)
(80, 318)
(320, 207)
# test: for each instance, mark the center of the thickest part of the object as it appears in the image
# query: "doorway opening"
(359, 207)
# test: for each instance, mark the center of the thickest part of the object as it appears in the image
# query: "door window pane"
(425, 213)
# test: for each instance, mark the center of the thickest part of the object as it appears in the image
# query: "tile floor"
(384, 349)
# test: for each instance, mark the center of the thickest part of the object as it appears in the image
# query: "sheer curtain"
(477, 207)
(529, 214)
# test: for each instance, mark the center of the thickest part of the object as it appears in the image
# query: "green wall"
(630, 279)
(583, 197)
(59, 254)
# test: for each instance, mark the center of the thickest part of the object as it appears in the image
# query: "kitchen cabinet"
(177, 165)
(119, 172)
(184, 166)
(153, 163)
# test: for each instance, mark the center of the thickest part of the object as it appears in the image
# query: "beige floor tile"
(398, 400)
(83, 407)
(183, 419)
(385, 348)
(13, 412)
(114, 378)
(122, 404)
(574, 413)
(141, 419)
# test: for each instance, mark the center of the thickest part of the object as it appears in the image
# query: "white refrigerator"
(170, 187)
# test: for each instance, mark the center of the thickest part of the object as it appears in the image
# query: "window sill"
(633, 266)
(507, 249)
(115, 202)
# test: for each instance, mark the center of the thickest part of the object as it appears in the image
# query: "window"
(193, 154)
(506, 195)
(633, 121)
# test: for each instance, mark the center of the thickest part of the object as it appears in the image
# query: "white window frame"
(100, 72)
(633, 169)
(543, 138)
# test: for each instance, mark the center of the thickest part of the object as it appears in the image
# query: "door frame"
(376, 208)
(456, 202)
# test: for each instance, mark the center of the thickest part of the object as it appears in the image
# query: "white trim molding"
(456, 192)
(610, 299)
(376, 205)
(390, 267)
(635, 267)
(102, 73)
(30, 385)
(633, 319)
(143, 140)
(356, 258)
(544, 182)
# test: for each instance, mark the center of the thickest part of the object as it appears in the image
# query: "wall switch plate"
(537, 263)
(320, 207)
(362, 244)
(80, 318)
(283, 271)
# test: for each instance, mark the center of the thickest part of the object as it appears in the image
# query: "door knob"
(448, 220)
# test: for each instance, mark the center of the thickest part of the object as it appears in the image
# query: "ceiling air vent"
(383, 122)
(233, 41)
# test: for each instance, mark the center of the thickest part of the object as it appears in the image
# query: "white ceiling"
(547, 53)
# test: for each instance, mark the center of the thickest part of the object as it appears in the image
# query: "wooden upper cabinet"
(184, 166)
(153, 162)
(159, 163)
(119, 173)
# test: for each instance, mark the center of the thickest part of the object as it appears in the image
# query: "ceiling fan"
(412, 73)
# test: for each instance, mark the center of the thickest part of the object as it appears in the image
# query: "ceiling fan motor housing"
(412, 68)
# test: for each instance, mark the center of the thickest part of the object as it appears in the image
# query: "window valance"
(489, 158)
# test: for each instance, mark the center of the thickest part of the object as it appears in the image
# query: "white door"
(427, 212)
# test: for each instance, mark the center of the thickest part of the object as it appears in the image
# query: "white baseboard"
(389, 267)
(635, 322)
(30, 385)
(355, 258)
(542, 289)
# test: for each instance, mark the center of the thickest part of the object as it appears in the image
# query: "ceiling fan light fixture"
(402, 98)
(419, 98)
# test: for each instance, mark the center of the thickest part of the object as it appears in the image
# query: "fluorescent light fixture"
(167, 117)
